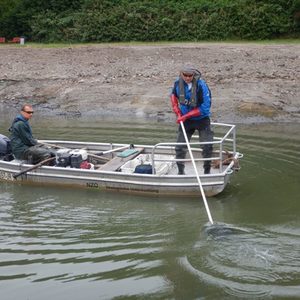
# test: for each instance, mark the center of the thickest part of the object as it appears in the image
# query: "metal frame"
(219, 141)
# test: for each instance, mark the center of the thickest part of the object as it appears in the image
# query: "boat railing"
(227, 139)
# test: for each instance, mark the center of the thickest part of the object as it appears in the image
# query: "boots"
(180, 169)
(206, 168)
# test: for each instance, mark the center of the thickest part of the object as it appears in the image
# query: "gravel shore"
(249, 82)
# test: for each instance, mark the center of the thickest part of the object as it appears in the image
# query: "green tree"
(149, 20)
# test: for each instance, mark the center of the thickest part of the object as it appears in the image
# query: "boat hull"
(148, 184)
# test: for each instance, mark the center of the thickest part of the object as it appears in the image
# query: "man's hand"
(193, 113)
(181, 119)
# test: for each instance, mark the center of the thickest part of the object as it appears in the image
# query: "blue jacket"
(203, 106)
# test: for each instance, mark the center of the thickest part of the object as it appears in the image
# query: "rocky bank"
(249, 82)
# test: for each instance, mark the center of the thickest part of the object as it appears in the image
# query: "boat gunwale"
(99, 171)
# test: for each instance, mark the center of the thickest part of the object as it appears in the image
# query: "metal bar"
(197, 175)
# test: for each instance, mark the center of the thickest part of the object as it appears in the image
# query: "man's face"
(27, 112)
(187, 77)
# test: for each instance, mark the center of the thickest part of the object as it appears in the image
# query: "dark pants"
(36, 154)
(205, 135)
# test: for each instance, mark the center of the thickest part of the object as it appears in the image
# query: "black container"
(76, 160)
(64, 160)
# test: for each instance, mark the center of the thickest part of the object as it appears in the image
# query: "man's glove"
(175, 107)
(193, 113)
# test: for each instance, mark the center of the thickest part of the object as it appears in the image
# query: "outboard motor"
(5, 148)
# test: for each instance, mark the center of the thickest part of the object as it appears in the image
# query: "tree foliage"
(148, 20)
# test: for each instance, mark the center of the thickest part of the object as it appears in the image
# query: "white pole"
(197, 174)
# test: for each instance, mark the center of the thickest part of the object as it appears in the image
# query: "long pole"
(197, 174)
(34, 167)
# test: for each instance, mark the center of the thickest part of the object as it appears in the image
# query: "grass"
(159, 43)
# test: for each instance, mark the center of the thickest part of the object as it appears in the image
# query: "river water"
(59, 243)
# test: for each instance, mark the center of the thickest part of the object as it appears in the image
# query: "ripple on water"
(253, 263)
(57, 240)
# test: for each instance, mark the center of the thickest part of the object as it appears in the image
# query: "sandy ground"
(249, 82)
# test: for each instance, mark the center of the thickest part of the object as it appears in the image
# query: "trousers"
(37, 153)
(205, 135)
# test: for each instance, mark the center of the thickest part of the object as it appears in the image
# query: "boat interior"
(159, 159)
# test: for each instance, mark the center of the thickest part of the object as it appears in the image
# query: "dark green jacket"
(21, 136)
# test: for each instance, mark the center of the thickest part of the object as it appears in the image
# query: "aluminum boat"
(115, 167)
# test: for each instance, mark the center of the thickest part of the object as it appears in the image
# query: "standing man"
(191, 101)
(24, 145)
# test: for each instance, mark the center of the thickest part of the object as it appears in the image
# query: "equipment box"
(76, 160)
(78, 156)
(70, 158)
(63, 160)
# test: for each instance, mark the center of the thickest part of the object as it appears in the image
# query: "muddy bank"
(249, 83)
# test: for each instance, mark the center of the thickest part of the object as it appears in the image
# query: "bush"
(145, 20)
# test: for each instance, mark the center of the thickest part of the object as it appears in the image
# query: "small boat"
(142, 169)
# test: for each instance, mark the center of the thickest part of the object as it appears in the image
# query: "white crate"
(161, 167)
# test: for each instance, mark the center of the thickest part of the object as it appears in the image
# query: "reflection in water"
(62, 244)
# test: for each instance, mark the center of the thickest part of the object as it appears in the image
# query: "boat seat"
(115, 163)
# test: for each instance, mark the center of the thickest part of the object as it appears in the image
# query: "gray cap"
(188, 69)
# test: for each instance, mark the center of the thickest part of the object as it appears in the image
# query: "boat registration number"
(6, 176)
(92, 185)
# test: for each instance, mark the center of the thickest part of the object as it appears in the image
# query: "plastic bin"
(161, 167)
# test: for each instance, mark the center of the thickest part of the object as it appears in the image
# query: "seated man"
(24, 145)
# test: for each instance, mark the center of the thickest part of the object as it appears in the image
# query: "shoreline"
(250, 83)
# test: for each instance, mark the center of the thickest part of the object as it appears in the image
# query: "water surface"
(59, 243)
